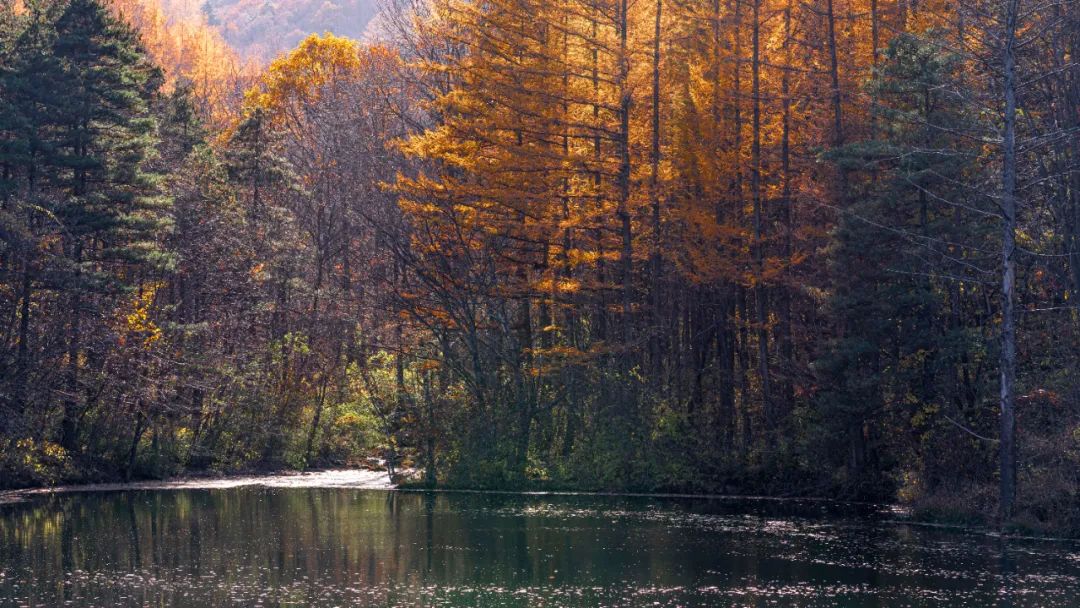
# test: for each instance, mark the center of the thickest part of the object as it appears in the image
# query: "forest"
(263, 28)
(815, 248)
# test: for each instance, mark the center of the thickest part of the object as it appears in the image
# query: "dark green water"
(323, 547)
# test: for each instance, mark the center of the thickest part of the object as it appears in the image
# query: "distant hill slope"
(263, 28)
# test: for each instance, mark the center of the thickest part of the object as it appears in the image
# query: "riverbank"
(368, 479)
(357, 479)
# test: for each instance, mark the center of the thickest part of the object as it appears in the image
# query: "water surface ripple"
(301, 546)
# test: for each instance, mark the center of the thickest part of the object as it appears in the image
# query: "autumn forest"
(817, 248)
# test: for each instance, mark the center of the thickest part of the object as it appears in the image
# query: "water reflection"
(292, 547)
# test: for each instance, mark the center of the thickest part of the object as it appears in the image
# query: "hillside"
(263, 28)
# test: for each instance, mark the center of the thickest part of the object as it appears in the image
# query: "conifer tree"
(101, 137)
(81, 89)
(898, 249)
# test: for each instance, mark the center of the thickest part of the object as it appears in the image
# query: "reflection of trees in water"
(1005, 595)
(227, 547)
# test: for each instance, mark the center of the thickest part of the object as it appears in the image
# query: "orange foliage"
(187, 49)
(298, 79)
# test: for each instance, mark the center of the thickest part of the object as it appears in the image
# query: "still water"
(342, 547)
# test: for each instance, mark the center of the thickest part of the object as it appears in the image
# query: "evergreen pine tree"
(897, 251)
(25, 218)
(98, 137)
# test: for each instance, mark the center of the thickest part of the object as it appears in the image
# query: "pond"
(287, 546)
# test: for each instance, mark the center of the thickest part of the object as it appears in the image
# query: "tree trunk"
(1008, 276)
(834, 76)
(784, 337)
(760, 306)
(22, 380)
(70, 424)
(316, 420)
(654, 187)
(133, 449)
(626, 253)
